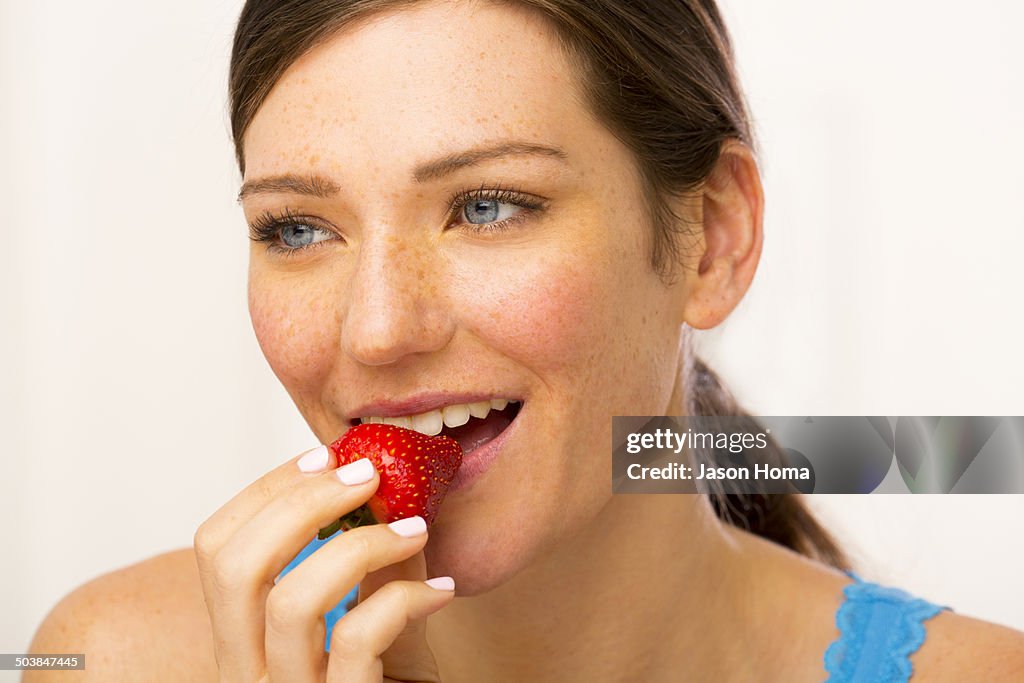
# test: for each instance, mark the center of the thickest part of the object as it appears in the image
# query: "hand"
(275, 632)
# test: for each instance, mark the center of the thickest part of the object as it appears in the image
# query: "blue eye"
(480, 211)
(494, 210)
(286, 233)
(297, 235)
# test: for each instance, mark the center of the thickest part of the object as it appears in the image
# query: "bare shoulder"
(959, 648)
(956, 647)
(144, 622)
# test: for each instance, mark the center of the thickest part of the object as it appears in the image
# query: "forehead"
(403, 85)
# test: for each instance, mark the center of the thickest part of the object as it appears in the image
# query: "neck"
(628, 598)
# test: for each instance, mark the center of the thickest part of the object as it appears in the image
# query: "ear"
(721, 267)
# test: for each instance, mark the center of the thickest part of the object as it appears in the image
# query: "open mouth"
(470, 424)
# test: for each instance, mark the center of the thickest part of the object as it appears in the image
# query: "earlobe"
(732, 207)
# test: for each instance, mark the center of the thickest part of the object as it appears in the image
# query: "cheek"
(590, 321)
(551, 313)
(296, 328)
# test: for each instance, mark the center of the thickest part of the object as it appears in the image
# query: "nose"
(396, 304)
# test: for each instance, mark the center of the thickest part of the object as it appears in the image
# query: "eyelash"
(529, 204)
(266, 227)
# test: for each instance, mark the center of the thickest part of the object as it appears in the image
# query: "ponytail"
(782, 518)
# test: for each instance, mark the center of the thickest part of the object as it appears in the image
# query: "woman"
(454, 202)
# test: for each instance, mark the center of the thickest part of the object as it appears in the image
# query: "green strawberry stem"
(361, 516)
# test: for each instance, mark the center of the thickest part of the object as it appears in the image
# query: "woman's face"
(459, 227)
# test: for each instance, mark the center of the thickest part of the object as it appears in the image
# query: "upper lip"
(421, 403)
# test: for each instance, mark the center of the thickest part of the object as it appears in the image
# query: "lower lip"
(479, 460)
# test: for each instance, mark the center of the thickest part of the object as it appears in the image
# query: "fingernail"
(410, 526)
(358, 472)
(441, 583)
(314, 461)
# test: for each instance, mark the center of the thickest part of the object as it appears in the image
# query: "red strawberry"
(415, 472)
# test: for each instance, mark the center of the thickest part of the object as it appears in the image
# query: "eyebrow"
(319, 186)
(311, 185)
(450, 163)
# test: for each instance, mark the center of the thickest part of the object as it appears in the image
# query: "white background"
(135, 400)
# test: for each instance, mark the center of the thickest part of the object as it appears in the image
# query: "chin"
(479, 558)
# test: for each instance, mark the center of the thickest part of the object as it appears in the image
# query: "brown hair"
(660, 75)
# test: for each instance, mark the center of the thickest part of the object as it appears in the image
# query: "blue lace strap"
(879, 628)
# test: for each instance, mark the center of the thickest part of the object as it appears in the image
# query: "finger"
(295, 626)
(408, 650)
(412, 569)
(406, 645)
(215, 531)
(265, 544)
(241, 575)
(212, 534)
(365, 633)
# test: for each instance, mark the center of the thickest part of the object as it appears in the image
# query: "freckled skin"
(562, 310)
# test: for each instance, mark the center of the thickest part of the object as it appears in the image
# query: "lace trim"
(879, 628)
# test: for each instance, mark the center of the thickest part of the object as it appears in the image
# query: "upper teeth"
(433, 421)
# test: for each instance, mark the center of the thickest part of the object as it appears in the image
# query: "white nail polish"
(409, 527)
(441, 583)
(358, 472)
(314, 461)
